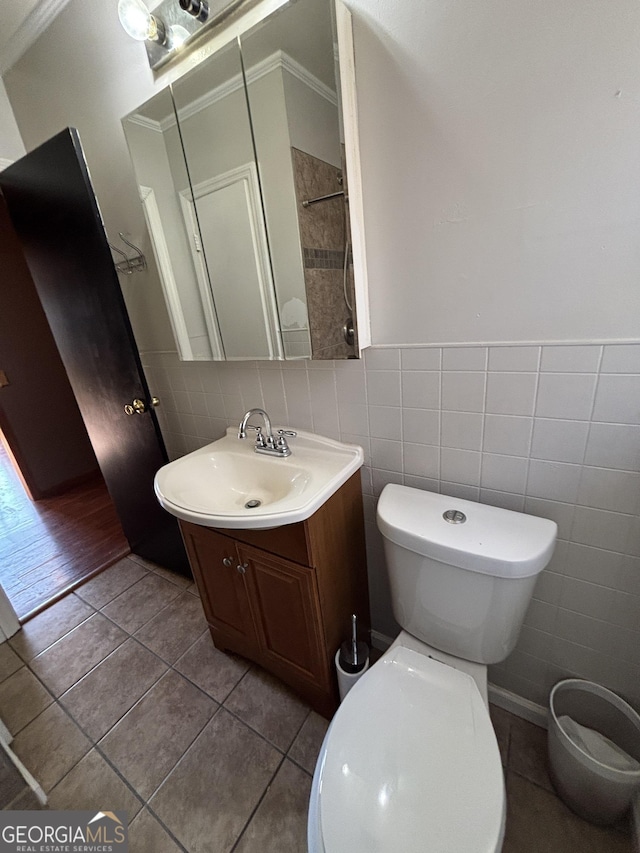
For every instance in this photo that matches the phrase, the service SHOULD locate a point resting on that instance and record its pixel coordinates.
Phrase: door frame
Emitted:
(246, 175)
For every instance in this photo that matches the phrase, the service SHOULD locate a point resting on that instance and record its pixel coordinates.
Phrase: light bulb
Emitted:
(139, 23)
(177, 36)
(136, 19)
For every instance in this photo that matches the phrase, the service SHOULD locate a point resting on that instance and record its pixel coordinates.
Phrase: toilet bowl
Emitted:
(410, 762)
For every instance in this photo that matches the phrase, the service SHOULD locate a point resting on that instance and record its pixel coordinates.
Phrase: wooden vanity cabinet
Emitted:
(284, 597)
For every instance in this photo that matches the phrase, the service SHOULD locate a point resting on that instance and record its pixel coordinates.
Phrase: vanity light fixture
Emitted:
(170, 24)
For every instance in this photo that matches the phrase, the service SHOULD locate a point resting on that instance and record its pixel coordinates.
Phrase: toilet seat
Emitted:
(410, 764)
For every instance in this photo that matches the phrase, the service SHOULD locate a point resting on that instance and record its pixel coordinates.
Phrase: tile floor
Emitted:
(117, 699)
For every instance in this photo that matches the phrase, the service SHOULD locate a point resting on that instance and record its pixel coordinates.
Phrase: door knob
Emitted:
(138, 407)
(243, 568)
(227, 561)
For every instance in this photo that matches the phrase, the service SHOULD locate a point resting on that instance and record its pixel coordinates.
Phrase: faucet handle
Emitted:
(281, 442)
(260, 439)
(260, 442)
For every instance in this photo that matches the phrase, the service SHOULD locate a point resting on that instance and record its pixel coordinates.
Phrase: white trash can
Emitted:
(594, 750)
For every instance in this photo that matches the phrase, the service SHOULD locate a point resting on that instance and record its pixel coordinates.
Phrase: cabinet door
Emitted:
(284, 601)
(214, 561)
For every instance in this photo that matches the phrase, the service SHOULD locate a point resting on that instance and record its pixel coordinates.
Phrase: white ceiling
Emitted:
(21, 22)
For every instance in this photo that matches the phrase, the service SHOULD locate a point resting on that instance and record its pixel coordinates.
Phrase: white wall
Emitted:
(500, 168)
(270, 122)
(313, 121)
(11, 145)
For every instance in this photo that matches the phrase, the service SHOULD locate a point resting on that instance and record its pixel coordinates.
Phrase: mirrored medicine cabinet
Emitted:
(241, 173)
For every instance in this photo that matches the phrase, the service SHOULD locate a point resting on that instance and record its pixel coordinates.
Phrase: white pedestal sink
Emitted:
(227, 484)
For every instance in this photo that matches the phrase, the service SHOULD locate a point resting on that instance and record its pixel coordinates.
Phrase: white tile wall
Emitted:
(553, 431)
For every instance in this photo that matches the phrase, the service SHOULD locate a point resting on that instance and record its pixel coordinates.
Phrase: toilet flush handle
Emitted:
(454, 516)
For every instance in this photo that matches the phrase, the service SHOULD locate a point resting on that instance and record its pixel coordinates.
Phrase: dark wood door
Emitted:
(56, 216)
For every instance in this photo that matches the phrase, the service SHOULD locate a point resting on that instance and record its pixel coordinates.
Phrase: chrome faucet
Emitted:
(266, 443)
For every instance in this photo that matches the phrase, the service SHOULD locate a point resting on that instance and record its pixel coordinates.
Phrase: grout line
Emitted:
(95, 744)
(254, 730)
(162, 824)
(584, 455)
(258, 804)
(133, 583)
(298, 765)
(440, 407)
(28, 662)
(144, 624)
(170, 667)
(179, 761)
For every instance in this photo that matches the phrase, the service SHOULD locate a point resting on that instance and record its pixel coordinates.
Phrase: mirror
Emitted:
(240, 168)
(290, 62)
(222, 205)
(161, 171)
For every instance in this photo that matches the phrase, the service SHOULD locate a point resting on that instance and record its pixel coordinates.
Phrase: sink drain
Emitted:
(252, 504)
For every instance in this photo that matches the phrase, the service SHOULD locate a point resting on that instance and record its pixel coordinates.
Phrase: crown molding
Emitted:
(148, 123)
(277, 60)
(280, 59)
(29, 30)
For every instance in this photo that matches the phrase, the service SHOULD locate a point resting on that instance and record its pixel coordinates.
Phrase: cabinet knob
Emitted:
(242, 568)
(227, 561)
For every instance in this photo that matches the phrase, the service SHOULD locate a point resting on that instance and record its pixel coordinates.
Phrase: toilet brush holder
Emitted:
(352, 661)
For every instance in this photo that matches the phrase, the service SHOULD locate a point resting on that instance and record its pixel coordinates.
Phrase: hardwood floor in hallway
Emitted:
(50, 546)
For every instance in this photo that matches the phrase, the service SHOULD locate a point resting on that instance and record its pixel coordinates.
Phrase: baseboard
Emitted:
(380, 641)
(518, 705)
(62, 488)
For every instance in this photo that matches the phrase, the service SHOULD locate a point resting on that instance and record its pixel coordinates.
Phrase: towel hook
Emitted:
(139, 253)
(130, 264)
(120, 267)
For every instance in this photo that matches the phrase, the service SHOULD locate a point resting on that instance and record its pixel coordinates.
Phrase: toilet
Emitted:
(410, 762)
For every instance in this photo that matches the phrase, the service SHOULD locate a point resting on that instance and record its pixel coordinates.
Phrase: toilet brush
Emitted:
(353, 654)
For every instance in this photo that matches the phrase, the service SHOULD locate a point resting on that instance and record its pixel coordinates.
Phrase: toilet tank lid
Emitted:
(490, 540)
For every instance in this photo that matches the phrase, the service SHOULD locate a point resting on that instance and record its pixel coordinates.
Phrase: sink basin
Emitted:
(227, 484)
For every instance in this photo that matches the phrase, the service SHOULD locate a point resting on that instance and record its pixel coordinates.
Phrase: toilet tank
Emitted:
(461, 573)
